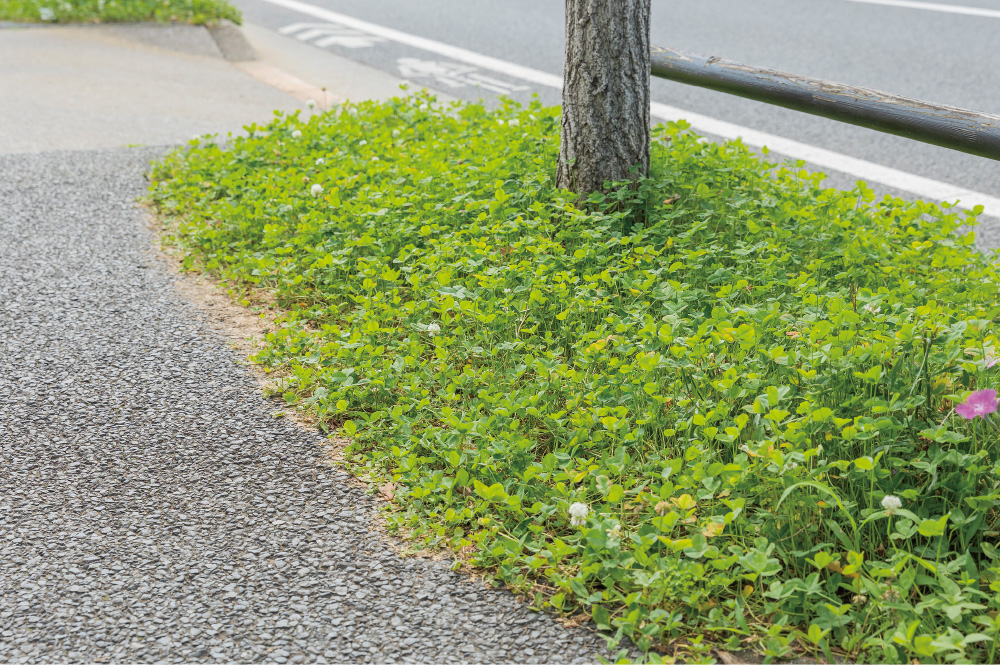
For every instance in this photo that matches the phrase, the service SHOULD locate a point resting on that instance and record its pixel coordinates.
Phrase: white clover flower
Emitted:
(316, 189)
(395, 133)
(296, 134)
(891, 503)
(433, 329)
(513, 122)
(311, 103)
(871, 309)
(320, 162)
(578, 513)
(362, 142)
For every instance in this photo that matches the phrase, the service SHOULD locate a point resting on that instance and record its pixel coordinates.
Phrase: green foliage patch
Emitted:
(746, 381)
(198, 12)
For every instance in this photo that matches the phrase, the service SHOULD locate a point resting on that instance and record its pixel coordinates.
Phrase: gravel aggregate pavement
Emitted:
(151, 508)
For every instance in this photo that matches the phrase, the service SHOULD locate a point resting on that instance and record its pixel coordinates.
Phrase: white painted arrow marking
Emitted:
(331, 34)
(453, 75)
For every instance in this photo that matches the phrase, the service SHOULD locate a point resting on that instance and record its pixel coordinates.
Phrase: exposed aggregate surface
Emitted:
(151, 508)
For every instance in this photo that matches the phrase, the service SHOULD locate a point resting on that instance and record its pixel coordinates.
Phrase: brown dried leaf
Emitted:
(728, 658)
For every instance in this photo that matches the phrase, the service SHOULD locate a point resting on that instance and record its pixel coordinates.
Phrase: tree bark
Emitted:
(605, 98)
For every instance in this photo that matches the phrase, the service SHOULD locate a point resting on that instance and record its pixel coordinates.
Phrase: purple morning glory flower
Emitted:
(979, 403)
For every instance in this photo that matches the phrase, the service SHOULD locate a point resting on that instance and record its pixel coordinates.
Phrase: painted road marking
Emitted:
(934, 7)
(925, 188)
(453, 75)
(330, 34)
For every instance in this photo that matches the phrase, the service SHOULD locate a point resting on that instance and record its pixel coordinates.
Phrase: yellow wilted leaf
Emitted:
(713, 529)
(599, 344)
(767, 453)
(834, 566)
(684, 502)
(943, 383)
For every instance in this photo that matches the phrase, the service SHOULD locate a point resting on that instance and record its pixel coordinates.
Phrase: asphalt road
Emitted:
(930, 55)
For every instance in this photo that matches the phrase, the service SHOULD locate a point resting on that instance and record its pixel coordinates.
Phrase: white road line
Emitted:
(448, 51)
(934, 7)
(925, 188)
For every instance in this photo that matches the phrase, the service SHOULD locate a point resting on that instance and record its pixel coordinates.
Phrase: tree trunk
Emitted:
(605, 98)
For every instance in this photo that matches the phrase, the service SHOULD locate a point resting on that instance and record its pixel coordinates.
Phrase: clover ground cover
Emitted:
(197, 12)
(717, 408)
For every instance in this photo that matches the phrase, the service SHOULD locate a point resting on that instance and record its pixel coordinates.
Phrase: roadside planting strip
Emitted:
(926, 188)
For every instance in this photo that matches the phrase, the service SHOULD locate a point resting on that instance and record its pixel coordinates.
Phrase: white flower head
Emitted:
(296, 134)
(513, 122)
(316, 189)
(320, 162)
(433, 329)
(871, 309)
(311, 103)
(395, 133)
(891, 503)
(578, 513)
(374, 159)
(362, 142)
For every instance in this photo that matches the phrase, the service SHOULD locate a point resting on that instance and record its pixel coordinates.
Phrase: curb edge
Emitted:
(232, 42)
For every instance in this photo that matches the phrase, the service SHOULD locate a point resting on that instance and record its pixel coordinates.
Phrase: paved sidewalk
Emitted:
(76, 88)
(89, 87)
(151, 508)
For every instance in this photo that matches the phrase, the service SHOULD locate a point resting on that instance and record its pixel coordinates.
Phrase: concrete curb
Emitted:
(225, 40)
(232, 43)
